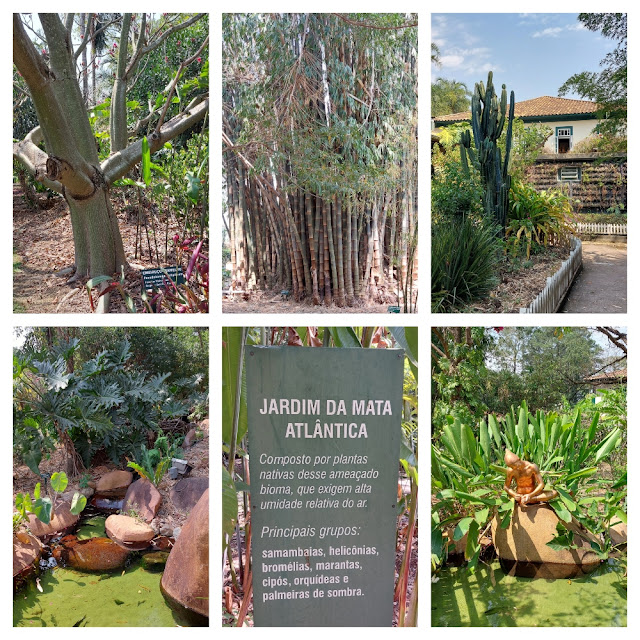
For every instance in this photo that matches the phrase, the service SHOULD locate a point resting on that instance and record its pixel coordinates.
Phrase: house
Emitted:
(605, 381)
(570, 120)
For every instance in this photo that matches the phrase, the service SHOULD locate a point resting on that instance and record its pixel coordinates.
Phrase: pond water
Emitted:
(491, 598)
(127, 597)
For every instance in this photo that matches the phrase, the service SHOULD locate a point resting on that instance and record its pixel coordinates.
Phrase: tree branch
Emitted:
(119, 163)
(178, 27)
(34, 159)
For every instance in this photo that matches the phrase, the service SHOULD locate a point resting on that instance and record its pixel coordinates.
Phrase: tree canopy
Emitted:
(449, 96)
(607, 87)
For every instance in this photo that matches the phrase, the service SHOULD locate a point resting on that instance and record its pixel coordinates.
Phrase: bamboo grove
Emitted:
(319, 138)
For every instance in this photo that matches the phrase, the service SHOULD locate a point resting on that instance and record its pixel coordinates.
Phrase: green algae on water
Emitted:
(72, 598)
(92, 528)
(491, 598)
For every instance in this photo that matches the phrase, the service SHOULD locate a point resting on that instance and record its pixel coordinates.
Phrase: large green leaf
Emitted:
(462, 528)
(59, 481)
(231, 349)
(344, 337)
(407, 338)
(146, 161)
(78, 503)
(609, 444)
(229, 503)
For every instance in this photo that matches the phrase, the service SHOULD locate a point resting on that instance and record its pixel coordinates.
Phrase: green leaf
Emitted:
(231, 348)
(561, 511)
(462, 528)
(146, 161)
(344, 337)
(193, 186)
(229, 503)
(59, 481)
(472, 541)
(609, 444)
(78, 503)
(42, 509)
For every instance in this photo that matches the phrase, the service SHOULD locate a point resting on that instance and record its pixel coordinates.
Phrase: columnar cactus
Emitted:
(487, 121)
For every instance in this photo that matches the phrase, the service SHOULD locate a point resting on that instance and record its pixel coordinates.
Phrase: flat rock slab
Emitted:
(114, 484)
(143, 498)
(128, 532)
(94, 554)
(186, 493)
(601, 286)
(26, 551)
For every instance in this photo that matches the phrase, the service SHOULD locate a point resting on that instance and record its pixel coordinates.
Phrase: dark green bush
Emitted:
(453, 193)
(464, 261)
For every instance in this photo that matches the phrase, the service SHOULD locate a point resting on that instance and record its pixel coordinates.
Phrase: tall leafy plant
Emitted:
(468, 475)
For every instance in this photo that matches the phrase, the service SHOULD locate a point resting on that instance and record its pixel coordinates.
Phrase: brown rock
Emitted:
(185, 580)
(189, 439)
(187, 492)
(26, 550)
(62, 521)
(618, 533)
(143, 498)
(525, 540)
(129, 532)
(114, 484)
(94, 554)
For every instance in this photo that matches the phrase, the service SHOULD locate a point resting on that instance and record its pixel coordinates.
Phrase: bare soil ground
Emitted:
(601, 286)
(24, 480)
(43, 242)
(517, 289)
(273, 302)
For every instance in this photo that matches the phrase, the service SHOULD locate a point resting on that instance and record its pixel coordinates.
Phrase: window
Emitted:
(564, 139)
(569, 174)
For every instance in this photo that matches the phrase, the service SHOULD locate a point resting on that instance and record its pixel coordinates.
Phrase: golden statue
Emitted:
(529, 481)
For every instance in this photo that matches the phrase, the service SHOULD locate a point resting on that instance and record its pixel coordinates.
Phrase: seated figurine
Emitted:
(529, 482)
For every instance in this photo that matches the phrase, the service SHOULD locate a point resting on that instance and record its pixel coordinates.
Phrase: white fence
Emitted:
(550, 298)
(602, 228)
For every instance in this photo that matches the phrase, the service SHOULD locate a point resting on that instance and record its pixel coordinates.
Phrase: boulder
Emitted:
(62, 521)
(525, 540)
(189, 439)
(143, 498)
(618, 534)
(94, 554)
(114, 484)
(185, 581)
(129, 532)
(186, 493)
(26, 551)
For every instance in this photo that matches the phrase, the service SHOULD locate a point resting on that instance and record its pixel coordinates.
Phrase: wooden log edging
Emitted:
(554, 292)
(602, 228)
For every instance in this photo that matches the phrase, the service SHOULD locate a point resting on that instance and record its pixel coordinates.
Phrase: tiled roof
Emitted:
(611, 376)
(544, 106)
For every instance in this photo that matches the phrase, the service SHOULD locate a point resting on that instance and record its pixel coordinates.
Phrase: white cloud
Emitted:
(551, 32)
(451, 61)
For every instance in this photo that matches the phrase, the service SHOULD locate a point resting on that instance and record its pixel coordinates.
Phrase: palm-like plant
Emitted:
(468, 475)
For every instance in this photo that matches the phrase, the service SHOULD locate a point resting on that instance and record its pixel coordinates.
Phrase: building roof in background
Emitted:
(609, 377)
(545, 107)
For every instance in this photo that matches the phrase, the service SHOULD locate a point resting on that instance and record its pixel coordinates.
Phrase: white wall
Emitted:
(581, 129)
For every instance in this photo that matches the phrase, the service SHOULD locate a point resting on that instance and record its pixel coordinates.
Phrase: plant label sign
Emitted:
(156, 278)
(324, 441)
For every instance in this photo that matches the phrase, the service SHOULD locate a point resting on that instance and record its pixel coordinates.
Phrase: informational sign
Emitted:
(157, 278)
(324, 439)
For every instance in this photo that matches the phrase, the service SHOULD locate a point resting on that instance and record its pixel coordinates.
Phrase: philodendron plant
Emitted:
(468, 475)
(42, 506)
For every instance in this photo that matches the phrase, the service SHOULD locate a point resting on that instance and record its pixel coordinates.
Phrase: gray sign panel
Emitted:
(324, 438)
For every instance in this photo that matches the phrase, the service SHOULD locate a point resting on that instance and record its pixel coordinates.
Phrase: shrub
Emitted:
(454, 193)
(468, 476)
(539, 217)
(464, 261)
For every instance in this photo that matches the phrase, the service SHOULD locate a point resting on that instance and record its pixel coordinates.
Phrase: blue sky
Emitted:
(532, 53)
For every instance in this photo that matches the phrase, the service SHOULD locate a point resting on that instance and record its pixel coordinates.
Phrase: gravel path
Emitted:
(601, 286)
